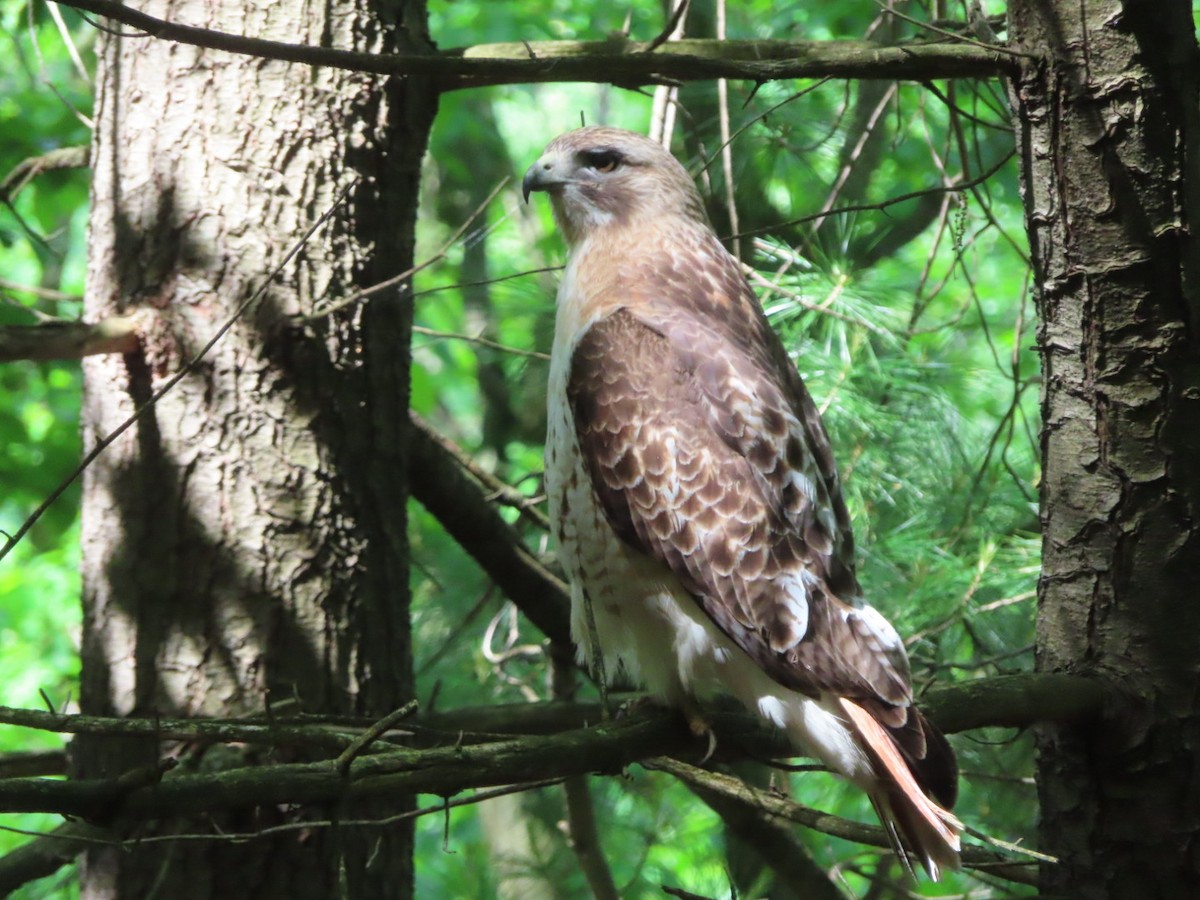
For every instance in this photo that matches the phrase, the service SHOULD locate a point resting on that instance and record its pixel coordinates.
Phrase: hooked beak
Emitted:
(544, 175)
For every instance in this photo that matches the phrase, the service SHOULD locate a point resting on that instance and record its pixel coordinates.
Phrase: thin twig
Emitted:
(408, 273)
(764, 802)
(68, 840)
(49, 82)
(485, 281)
(868, 131)
(891, 201)
(482, 342)
(42, 293)
(669, 31)
(726, 150)
(717, 154)
(952, 35)
(372, 734)
(72, 50)
(461, 627)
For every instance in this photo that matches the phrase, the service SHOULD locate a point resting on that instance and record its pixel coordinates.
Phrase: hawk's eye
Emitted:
(602, 161)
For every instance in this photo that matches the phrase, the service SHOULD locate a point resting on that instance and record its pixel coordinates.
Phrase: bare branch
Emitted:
(28, 169)
(33, 762)
(42, 293)
(498, 490)
(1014, 701)
(670, 28)
(632, 62)
(360, 744)
(68, 340)
(459, 765)
(318, 736)
(891, 201)
(408, 273)
(482, 342)
(1004, 701)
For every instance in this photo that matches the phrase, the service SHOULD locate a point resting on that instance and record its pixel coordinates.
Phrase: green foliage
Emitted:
(43, 102)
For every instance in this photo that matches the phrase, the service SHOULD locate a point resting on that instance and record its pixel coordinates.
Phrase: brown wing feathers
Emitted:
(702, 494)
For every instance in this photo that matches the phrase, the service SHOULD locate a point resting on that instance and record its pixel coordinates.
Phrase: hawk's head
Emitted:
(597, 177)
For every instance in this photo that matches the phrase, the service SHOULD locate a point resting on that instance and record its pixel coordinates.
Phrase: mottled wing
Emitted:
(705, 452)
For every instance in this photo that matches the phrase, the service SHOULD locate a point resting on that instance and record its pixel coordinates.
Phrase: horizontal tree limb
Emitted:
(605, 747)
(1014, 701)
(68, 340)
(33, 762)
(1003, 701)
(615, 61)
(545, 751)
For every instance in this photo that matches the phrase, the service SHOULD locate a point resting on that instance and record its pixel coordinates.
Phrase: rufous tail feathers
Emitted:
(909, 816)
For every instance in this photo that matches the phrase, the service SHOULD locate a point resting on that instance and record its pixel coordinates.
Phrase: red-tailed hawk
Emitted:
(694, 495)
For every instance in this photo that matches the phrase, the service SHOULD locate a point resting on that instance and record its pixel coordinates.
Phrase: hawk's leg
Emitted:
(593, 637)
(688, 707)
(699, 726)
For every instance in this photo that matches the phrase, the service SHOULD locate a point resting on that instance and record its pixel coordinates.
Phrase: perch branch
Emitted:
(379, 777)
(1015, 701)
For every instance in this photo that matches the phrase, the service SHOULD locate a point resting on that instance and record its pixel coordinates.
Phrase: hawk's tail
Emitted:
(912, 762)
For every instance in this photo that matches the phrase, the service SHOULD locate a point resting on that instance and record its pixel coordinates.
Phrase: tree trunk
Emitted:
(244, 542)
(1109, 137)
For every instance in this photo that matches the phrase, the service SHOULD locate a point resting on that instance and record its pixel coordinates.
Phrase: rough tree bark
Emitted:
(1109, 132)
(244, 543)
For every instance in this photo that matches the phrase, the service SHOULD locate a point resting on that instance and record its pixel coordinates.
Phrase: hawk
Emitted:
(694, 495)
